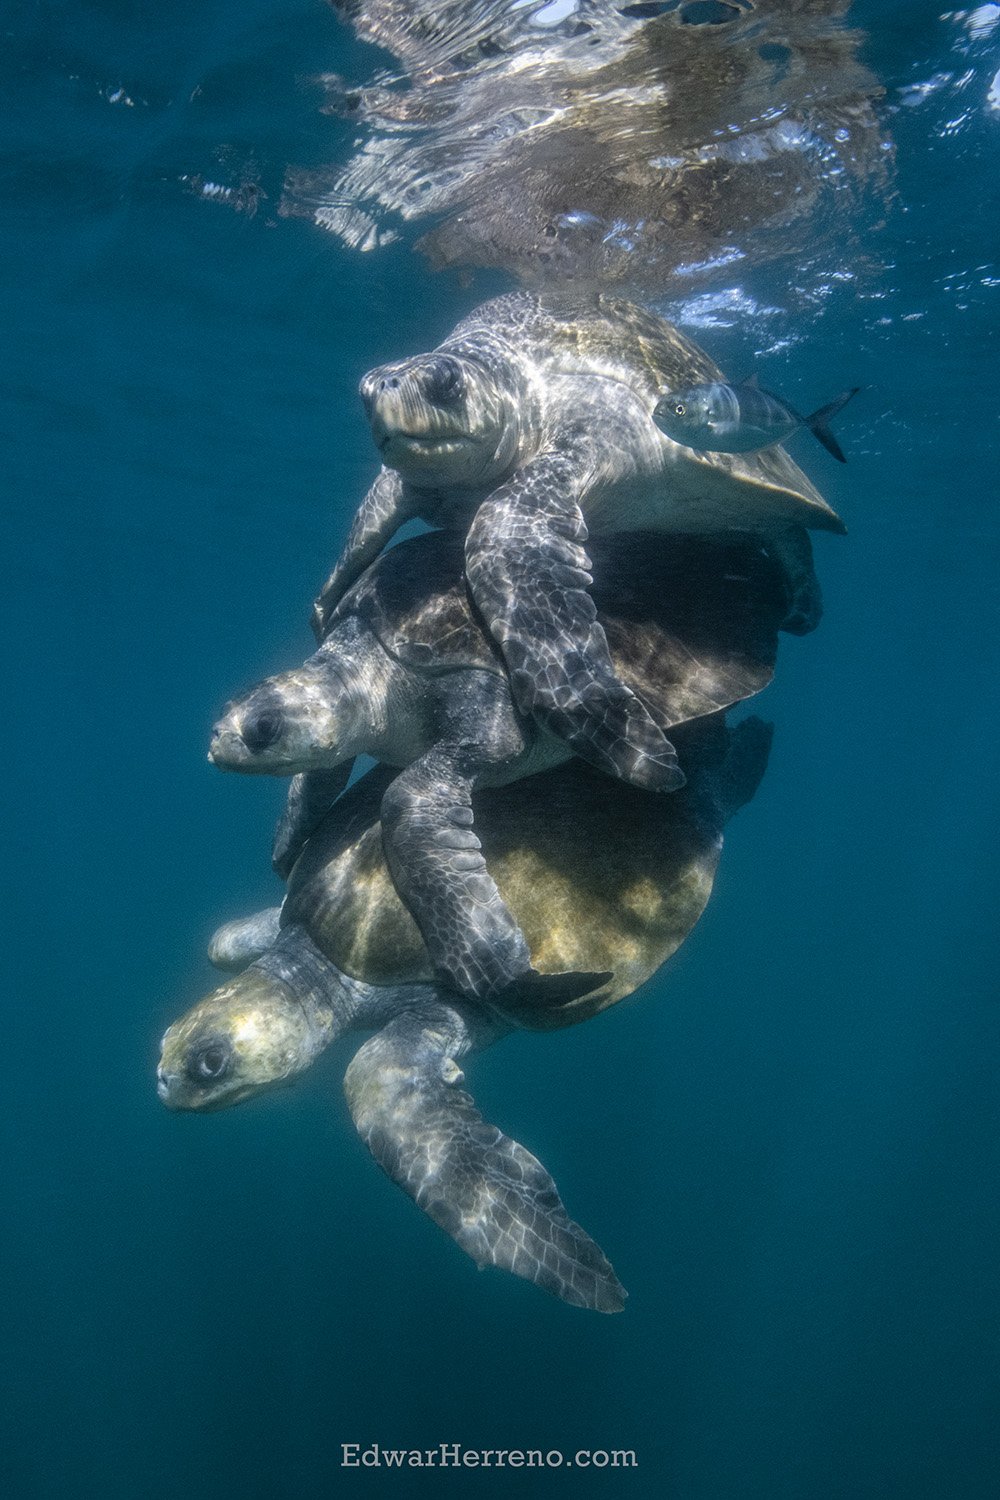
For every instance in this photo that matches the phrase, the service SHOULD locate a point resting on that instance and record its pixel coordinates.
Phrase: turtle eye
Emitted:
(209, 1062)
(443, 383)
(679, 408)
(262, 728)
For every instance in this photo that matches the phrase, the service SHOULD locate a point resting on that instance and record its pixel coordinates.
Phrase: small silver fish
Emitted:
(719, 418)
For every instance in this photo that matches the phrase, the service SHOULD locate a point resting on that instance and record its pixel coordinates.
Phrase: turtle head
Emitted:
(442, 419)
(317, 715)
(251, 1035)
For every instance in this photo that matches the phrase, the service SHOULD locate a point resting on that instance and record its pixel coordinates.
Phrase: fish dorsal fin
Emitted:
(752, 382)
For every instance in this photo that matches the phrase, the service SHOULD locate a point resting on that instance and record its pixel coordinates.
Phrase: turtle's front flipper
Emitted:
(490, 1194)
(792, 551)
(380, 514)
(311, 794)
(529, 575)
(236, 945)
(437, 866)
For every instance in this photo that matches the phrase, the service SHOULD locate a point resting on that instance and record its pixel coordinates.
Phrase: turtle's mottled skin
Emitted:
(599, 877)
(407, 674)
(530, 428)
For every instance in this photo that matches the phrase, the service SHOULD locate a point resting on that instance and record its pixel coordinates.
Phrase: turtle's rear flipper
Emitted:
(490, 1194)
(542, 992)
(792, 551)
(735, 781)
(529, 576)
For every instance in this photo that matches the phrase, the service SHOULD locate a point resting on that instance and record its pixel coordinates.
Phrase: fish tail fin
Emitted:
(821, 417)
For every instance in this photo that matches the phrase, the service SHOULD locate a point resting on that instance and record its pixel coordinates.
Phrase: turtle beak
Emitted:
(217, 747)
(228, 749)
(165, 1086)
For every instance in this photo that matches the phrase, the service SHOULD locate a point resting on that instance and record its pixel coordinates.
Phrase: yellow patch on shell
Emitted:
(600, 877)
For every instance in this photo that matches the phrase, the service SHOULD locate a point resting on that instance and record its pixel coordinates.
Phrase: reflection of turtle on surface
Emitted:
(617, 142)
(530, 427)
(408, 675)
(599, 876)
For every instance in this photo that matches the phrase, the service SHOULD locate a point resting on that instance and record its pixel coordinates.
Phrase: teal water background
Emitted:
(787, 1144)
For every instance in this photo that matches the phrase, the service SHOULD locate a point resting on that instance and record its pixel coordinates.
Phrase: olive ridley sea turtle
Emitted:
(408, 675)
(600, 876)
(531, 426)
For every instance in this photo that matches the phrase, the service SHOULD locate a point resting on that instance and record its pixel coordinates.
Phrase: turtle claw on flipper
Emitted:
(492, 1196)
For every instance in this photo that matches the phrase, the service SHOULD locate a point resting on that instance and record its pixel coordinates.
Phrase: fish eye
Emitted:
(209, 1062)
(262, 729)
(679, 408)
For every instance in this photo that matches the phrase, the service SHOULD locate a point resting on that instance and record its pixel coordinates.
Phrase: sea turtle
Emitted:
(600, 876)
(531, 426)
(408, 675)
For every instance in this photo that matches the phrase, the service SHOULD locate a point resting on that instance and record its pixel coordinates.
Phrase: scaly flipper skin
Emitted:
(437, 866)
(490, 1194)
(529, 574)
(379, 517)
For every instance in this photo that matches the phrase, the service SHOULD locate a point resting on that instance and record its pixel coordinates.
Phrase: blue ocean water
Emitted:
(786, 1144)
